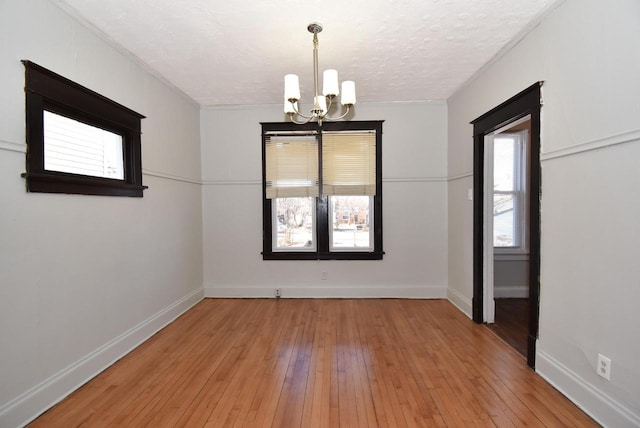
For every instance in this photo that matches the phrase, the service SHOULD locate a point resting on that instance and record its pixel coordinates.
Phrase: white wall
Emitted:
(587, 54)
(511, 277)
(83, 279)
(414, 210)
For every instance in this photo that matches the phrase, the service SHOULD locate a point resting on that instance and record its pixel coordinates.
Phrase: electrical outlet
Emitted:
(604, 367)
(324, 275)
(277, 293)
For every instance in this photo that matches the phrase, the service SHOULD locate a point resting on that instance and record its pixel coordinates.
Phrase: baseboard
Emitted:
(511, 292)
(312, 292)
(28, 406)
(460, 302)
(605, 410)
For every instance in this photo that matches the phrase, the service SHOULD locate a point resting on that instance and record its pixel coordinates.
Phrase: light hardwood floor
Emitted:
(307, 363)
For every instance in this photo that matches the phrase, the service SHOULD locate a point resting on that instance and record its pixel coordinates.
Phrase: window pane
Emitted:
(504, 163)
(294, 221)
(504, 227)
(78, 148)
(351, 221)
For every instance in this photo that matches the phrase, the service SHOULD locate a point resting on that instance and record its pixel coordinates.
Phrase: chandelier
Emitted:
(321, 103)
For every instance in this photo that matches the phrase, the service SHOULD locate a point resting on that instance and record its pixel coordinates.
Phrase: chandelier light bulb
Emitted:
(330, 83)
(348, 93)
(322, 103)
(291, 87)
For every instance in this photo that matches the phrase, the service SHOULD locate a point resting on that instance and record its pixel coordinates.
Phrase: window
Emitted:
(77, 140)
(509, 194)
(294, 220)
(78, 148)
(351, 228)
(322, 191)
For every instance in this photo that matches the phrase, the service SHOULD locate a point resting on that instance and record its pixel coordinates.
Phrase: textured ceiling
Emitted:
(236, 52)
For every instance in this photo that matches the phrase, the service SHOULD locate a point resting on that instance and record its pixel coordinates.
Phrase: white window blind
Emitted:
(78, 148)
(291, 163)
(349, 163)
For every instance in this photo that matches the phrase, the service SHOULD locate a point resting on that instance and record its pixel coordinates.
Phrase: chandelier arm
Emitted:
(329, 104)
(333, 119)
(292, 119)
(297, 112)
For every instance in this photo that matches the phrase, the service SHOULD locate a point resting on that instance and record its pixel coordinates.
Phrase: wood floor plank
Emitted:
(318, 363)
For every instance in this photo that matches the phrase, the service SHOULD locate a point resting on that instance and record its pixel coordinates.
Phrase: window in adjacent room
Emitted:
(322, 191)
(79, 141)
(509, 194)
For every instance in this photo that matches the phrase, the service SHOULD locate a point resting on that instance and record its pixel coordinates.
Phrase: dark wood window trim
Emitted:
(46, 90)
(525, 103)
(322, 202)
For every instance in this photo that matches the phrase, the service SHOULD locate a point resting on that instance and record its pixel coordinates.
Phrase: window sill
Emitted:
(511, 257)
(55, 182)
(343, 255)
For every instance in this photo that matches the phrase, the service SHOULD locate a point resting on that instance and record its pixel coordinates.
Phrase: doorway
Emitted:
(506, 248)
(506, 237)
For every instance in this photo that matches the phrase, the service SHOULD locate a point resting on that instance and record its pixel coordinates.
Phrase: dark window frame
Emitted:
(322, 202)
(46, 90)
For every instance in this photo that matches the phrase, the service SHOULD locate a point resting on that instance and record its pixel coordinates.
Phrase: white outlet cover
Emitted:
(604, 367)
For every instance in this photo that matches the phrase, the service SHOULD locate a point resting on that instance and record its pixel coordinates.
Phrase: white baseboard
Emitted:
(460, 302)
(29, 405)
(605, 410)
(511, 292)
(412, 292)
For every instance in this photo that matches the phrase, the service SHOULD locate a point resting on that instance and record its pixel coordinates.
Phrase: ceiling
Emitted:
(236, 52)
